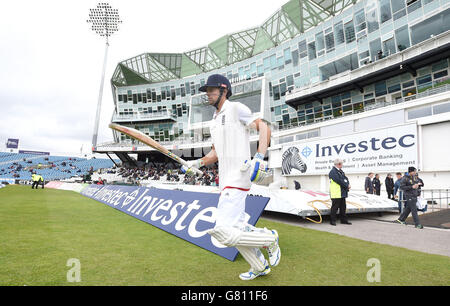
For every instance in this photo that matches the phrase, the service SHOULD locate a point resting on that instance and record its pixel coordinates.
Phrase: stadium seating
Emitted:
(16, 165)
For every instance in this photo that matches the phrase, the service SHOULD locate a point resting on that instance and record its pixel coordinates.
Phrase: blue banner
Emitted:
(34, 152)
(187, 215)
(12, 143)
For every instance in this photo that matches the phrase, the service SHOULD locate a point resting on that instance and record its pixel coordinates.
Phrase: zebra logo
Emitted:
(292, 160)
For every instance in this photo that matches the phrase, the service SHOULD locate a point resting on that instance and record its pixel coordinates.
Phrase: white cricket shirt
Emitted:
(230, 133)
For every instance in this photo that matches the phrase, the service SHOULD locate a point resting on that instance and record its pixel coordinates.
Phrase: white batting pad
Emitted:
(251, 237)
(253, 256)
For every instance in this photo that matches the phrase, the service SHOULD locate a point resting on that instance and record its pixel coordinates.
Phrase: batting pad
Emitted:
(253, 256)
(251, 237)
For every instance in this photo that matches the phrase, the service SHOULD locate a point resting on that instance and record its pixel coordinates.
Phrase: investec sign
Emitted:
(384, 150)
(187, 215)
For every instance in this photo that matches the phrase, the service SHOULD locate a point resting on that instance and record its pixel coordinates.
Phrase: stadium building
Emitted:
(367, 81)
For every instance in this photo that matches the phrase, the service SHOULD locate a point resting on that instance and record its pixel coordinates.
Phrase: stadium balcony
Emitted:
(143, 116)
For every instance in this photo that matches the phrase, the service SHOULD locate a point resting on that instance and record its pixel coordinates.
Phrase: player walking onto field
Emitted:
(231, 148)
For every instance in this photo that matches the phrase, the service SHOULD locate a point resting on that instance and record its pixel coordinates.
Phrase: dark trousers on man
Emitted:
(35, 184)
(410, 207)
(342, 206)
(390, 194)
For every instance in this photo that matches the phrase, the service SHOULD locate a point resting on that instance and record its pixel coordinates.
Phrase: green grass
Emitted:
(41, 229)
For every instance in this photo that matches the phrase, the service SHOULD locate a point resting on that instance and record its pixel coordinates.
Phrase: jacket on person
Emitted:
(389, 183)
(406, 185)
(397, 188)
(376, 185)
(368, 185)
(338, 184)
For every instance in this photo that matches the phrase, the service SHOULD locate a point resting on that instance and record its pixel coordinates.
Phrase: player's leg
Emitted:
(258, 264)
(230, 215)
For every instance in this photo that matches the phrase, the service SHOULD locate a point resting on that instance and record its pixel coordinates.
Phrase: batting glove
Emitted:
(258, 166)
(192, 163)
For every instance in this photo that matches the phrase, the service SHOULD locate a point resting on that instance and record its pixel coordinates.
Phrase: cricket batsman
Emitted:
(230, 133)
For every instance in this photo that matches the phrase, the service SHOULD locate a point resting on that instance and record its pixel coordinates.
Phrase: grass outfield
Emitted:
(41, 229)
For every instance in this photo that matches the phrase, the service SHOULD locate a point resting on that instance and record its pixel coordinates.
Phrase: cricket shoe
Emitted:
(274, 251)
(252, 274)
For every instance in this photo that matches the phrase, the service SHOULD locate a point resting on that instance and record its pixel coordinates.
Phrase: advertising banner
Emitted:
(385, 150)
(34, 152)
(12, 143)
(187, 215)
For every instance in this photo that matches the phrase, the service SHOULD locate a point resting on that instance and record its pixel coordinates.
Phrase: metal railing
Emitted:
(437, 199)
(139, 116)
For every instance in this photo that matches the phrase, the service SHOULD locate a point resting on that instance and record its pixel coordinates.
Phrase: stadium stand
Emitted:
(20, 166)
(160, 172)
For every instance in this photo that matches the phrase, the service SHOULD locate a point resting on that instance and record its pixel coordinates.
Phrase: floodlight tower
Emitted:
(105, 22)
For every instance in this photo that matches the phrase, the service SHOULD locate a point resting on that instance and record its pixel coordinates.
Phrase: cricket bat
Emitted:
(150, 142)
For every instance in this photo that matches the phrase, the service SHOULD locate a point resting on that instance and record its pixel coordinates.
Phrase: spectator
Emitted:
(368, 186)
(389, 183)
(410, 185)
(339, 187)
(100, 181)
(398, 197)
(376, 185)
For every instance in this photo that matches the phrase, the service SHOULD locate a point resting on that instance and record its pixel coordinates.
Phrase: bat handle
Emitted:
(197, 171)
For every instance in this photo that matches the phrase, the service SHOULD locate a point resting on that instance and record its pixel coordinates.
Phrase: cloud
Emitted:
(51, 61)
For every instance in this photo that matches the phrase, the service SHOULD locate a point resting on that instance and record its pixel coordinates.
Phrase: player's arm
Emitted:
(264, 135)
(209, 158)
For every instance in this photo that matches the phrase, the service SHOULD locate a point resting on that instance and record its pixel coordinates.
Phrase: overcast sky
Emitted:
(51, 61)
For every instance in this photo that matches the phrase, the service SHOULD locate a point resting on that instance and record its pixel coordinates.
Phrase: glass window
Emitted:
(399, 14)
(389, 47)
(329, 41)
(409, 92)
(349, 32)
(441, 108)
(276, 93)
(385, 10)
(290, 80)
(424, 79)
(430, 27)
(320, 44)
(287, 56)
(380, 89)
(420, 112)
(413, 5)
(364, 54)
(440, 74)
(372, 21)
(402, 38)
(439, 65)
(295, 57)
(339, 33)
(408, 84)
(360, 21)
(394, 88)
(283, 89)
(312, 51)
(375, 49)
(397, 5)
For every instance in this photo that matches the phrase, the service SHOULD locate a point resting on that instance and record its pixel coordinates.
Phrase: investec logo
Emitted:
(373, 144)
(159, 210)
